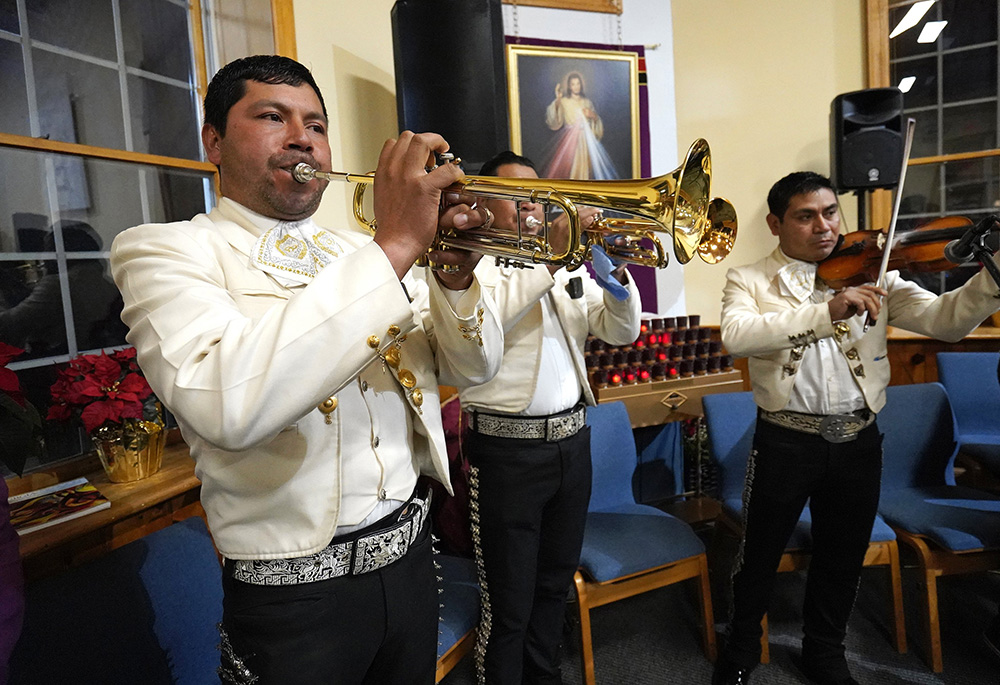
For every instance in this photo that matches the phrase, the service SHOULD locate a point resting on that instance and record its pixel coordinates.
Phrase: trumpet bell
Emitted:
(717, 242)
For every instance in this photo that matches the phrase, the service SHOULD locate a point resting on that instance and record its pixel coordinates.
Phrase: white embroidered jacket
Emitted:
(772, 328)
(517, 293)
(244, 362)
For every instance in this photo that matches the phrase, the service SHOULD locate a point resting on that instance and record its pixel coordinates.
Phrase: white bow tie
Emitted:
(295, 251)
(797, 280)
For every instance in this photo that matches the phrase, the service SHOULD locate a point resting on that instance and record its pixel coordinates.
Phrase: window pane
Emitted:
(14, 103)
(923, 92)
(97, 304)
(114, 201)
(905, 44)
(8, 16)
(78, 102)
(157, 38)
(36, 321)
(240, 28)
(177, 195)
(24, 219)
(970, 74)
(925, 134)
(62, 439)
(970, 127)
(86, 26)
(164, 119)
(969, 22)
(972, 184)
(922, 190)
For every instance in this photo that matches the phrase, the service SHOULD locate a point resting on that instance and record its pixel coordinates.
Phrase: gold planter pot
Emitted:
(130, 451)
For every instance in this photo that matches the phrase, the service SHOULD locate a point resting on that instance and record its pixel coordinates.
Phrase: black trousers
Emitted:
(532, 499)
(375, 628)
(841, 482)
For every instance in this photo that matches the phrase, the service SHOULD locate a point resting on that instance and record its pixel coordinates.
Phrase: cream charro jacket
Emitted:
(772, 329)
(517, 293)
(244, 362)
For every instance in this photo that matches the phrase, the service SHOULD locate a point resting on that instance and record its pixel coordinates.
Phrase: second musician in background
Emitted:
(529, 446)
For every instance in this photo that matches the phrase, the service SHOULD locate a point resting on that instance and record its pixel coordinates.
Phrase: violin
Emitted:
(857, 259)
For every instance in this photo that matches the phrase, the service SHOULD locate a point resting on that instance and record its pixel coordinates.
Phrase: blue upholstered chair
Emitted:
(459, 613)
(146, 612)
(730, 420)
(630, 548)
(952, 529)
(971, 381)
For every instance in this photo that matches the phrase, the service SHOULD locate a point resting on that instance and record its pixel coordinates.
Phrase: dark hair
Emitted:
(795, 183)
(569, 77)
(505, 157)
(229, 84)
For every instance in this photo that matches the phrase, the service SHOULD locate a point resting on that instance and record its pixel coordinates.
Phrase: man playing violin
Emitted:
(302, 364)
(819, 376)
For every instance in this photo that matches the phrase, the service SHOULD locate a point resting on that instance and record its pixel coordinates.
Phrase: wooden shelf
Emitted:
(137, 509)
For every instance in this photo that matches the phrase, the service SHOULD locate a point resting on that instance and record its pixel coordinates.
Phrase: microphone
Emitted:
(960, 251)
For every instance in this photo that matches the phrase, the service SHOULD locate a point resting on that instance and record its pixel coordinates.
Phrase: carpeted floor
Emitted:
(652, 638)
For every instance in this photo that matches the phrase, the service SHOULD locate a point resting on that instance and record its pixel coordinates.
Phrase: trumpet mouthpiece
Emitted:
(303, 173)
(532, 223)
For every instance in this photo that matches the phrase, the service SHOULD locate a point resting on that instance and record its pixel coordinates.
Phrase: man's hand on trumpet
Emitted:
(407, 196)
(452, 267)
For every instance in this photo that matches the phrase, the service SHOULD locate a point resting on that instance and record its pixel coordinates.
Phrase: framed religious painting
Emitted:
(575, 111)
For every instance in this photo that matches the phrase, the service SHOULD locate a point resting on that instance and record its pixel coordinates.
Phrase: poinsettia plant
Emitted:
(100, 389)
(20, 424)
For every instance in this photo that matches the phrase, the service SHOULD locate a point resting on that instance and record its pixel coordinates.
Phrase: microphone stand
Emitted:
(982, 253)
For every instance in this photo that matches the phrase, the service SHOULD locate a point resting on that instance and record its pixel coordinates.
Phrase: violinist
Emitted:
(818, 374)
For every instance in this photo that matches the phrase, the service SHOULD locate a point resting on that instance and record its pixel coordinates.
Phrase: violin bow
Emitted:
(911, 125)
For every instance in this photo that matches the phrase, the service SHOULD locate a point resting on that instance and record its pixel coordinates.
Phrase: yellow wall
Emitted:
(756, 80)
(348, 47)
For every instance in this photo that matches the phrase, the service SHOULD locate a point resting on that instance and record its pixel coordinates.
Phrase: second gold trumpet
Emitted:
(676, 203)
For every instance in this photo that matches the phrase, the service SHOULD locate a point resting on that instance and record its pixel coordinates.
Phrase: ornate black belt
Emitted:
(369, 552)
(549, 428)
(832, 427)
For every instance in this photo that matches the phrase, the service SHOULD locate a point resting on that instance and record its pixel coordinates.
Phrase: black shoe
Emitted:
(726, 673)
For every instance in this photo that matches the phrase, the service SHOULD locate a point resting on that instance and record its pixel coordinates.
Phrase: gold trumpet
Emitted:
(676, 203)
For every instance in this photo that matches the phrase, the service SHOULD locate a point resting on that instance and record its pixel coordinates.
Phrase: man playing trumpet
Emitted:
(303, 365)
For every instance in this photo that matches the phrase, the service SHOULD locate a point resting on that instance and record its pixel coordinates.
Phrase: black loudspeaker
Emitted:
(866, 139)
(450, 74)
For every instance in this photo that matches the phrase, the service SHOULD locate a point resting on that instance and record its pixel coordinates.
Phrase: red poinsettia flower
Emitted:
(9, 382)
(100, 388)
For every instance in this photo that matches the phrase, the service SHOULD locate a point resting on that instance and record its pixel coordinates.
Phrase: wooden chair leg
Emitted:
(932, 623)
(707, 616)
(586, 646)
(896, 579)
(765, 650)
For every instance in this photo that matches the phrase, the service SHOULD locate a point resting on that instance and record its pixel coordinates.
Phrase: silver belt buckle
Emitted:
(564, 426)
(840, 427)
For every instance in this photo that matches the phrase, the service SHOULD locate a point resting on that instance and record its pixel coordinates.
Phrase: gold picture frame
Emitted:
(607, 6)
(542, 110)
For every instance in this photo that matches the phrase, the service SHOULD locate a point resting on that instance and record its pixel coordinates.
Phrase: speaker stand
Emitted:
(862, 209)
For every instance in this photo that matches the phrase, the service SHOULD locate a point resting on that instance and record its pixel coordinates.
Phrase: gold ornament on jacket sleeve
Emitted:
(474, 332)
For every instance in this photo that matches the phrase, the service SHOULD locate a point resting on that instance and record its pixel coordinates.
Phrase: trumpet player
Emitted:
(302, 364)
(529, 447)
